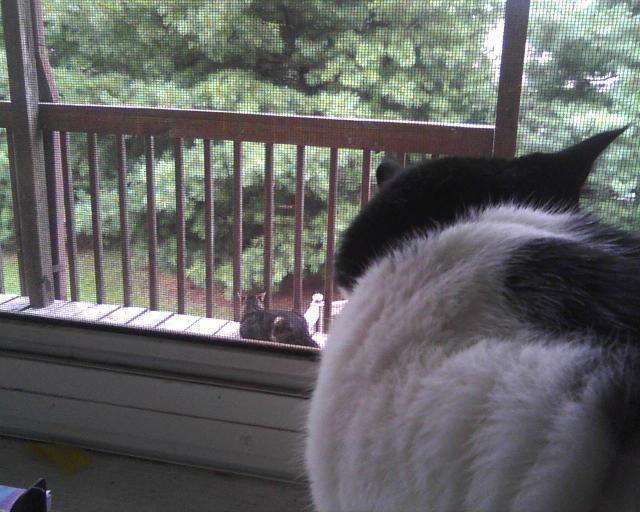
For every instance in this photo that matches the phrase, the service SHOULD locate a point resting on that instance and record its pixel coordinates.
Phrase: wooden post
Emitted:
(29, 151)
(47, 92)
(514, 42)
(298, 237)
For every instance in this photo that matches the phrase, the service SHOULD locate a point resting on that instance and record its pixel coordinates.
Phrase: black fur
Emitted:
(612, 377)
(276, 325)
(565, 286)
(436, 192)
(618, 384)
(291, 328)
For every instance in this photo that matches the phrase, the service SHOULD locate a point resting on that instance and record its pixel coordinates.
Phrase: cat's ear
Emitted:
(387, 170)
(580, 157)
(261, 296)
(557, 178)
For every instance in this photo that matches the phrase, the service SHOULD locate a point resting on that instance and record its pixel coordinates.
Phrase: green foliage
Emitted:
(582, 76)
(356, 58)
(6, 210)
(435, 60)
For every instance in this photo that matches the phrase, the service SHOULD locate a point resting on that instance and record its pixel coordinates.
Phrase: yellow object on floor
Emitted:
(67, 459)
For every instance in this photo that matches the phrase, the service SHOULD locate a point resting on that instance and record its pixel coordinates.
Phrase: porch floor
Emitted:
(134, 317)
(113, 483)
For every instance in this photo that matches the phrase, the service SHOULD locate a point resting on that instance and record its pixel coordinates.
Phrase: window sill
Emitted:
(188, 399)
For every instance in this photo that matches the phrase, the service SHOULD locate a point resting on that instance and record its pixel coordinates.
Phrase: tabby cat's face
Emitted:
(437, 192)
(252, 302)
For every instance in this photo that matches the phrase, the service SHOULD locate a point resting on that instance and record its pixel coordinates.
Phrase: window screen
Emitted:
(9, 276)
(381, 60)
(402, 60)
(583, 76)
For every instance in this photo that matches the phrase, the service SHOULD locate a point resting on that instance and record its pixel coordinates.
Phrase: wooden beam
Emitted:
(514, 42)
(29, 151)
(373, 134)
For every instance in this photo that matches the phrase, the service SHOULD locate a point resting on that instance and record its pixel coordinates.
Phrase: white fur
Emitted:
(432, 396)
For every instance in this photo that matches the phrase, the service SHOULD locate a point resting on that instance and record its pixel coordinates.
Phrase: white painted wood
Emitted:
(151, 434)
(46, 311)
(15, 305)
(96, 312)
(179, 323)
(336, 308)
(122, 316)
(71, 309)
(152, 392)
(313, 312)
(111, 483)
(150, 319)
(320, 338)
(226, 405)
(291, 369)
(230, 330)
(6, 297)
(207, 326)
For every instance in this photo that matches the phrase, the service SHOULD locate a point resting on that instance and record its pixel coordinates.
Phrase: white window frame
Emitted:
(193, 400)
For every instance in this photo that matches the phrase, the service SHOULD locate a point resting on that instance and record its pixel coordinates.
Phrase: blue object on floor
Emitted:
(34, 499)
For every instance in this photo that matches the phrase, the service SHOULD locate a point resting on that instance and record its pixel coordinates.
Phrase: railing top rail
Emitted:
(374, 134)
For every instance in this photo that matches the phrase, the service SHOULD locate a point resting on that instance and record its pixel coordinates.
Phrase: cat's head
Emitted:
(437, 192)
(252, 302)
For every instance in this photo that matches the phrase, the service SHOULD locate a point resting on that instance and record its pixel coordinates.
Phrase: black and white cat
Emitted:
(489, 356)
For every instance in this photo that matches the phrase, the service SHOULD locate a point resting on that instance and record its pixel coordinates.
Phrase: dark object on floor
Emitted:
(34, 499)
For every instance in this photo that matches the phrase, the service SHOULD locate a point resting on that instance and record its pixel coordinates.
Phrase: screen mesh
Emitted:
(408, 60)
(9, 274)
(583, 76)
(399, 60)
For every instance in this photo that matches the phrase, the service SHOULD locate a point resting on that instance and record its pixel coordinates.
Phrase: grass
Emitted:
(113, 282)
(195, 296)
(113, 278)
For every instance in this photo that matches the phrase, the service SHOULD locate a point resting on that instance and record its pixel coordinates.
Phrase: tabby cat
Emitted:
(276, 325)
(488, 358)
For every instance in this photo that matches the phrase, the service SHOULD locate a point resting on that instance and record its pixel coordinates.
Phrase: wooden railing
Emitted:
(336, 134)
(58, 120)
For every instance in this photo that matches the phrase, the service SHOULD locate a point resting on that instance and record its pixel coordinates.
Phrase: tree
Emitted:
(355, 58)
(582, 77)
(364, 58)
